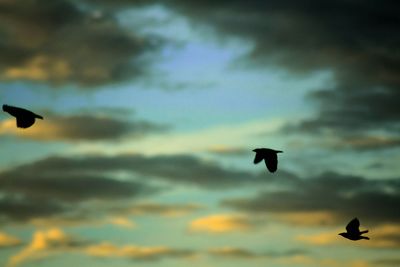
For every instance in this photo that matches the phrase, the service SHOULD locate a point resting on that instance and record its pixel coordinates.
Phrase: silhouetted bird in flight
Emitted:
(269, 156)
(353, 231)
(25, 118)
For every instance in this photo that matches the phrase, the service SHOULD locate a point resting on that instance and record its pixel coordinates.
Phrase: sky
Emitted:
(151, 112)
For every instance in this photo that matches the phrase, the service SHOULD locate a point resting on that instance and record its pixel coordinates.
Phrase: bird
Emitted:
(269, 156)
(25, 118)
(353, 231)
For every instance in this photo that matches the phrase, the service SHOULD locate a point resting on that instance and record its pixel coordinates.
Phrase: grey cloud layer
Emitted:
(184, 169)
(62, 185)
(345, 196)
(58, 182)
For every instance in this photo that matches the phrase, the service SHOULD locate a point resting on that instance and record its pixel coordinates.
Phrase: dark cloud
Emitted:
(17, 208)
(61, 186)
(364, 142)
(150, 208)
(88, 127)
(240, 253)
(387, 262)
(70, 187)
(356, 40)
(181, 169)
(40, 191)
(342, 195)
(67, 42)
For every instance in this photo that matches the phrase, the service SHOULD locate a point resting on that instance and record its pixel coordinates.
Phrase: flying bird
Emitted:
(25, 118)
(353, 231)
(270, 157)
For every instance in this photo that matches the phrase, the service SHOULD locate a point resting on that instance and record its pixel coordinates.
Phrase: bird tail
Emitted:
(364, 232)
(5, 107)
(38, 116)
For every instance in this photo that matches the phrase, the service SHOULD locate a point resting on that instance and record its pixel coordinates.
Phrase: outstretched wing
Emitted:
(259, 157)
(353, 226)
(25, 122)
(272, 162)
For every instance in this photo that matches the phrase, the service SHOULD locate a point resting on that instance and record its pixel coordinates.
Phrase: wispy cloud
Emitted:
(7, 240)
(89, 128)
(221, 223)
(44, 244)
(108, 250)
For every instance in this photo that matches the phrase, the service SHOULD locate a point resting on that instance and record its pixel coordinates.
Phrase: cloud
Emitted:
(342, 196)
(68, 187)
(387, 262)
(308, 218)
(19, 209)
(82, 128)
(64, 186)
(230, 252)
(122, 222)
(228, 151)
(382, 236)
(325, 238)
(44, 244)
(61, 42)
(108, 250)
(183, 169)
(245, 254)
(351, 39)
(221, 223)
(41, 190)
(168, 210)
(9, 241)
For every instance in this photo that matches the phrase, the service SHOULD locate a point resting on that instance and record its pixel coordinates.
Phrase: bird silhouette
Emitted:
(25, 118)
(353, 231)
(269, 156)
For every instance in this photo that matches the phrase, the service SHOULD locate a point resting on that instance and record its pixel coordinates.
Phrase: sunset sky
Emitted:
(151, 112)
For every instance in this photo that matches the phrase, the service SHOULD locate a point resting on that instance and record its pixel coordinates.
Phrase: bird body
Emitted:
(353, 231)
(269, 156)
(24, 117)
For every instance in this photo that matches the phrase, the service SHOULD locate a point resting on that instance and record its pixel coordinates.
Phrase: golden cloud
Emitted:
(221, 223)
(325, 238)
(42, 244)
(308, 218)
(8, 240)
(40, 68)
(122, 222)
(106, 249)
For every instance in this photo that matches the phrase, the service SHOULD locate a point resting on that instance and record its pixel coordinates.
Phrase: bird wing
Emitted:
(272, 162)
(259, 157)
(25, 122)
(353, 226)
